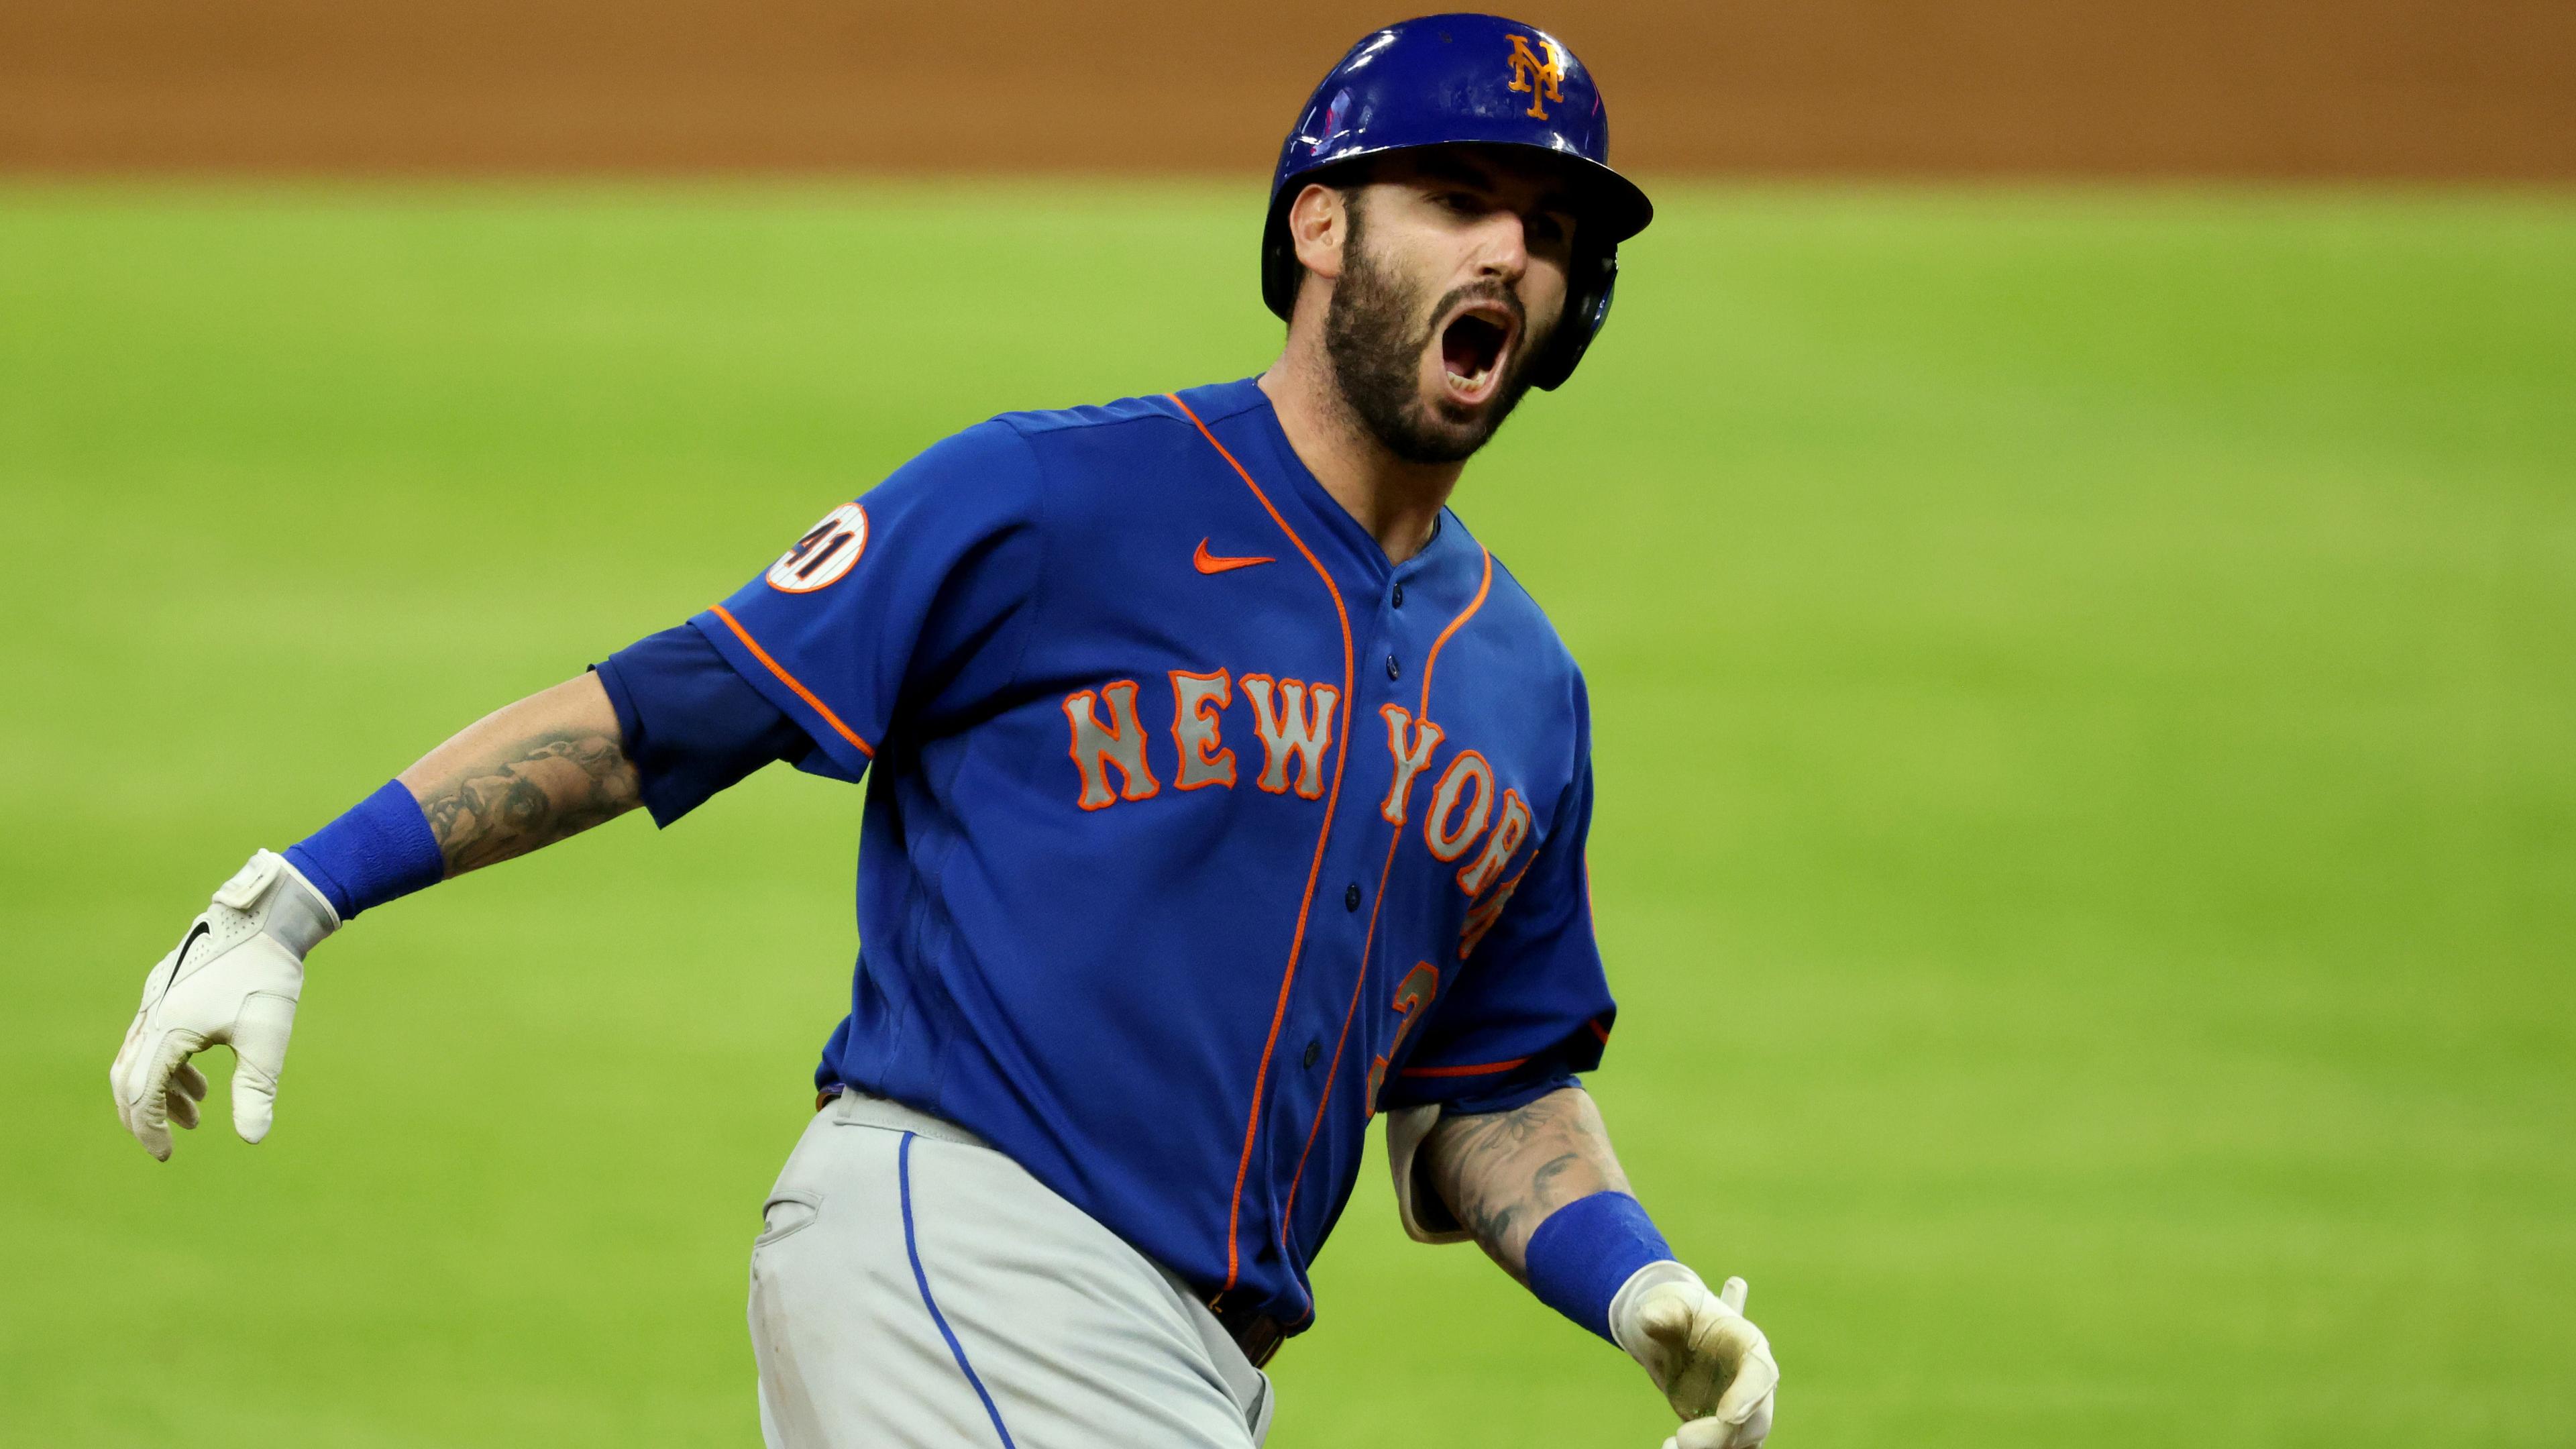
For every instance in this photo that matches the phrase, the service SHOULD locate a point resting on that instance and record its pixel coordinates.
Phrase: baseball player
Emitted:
(1223, 793)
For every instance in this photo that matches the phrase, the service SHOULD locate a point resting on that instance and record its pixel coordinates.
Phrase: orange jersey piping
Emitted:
(1297, 943)
(1333, 1072)
(791, 681)
(1477, 1070)
(1432, 660)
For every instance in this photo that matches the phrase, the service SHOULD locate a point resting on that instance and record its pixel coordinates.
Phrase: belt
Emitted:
(1255, 1332)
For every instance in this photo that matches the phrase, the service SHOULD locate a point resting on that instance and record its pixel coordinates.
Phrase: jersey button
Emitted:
(1393, 669)
(1351, 897)
(1314, 1049)
(1399, 596)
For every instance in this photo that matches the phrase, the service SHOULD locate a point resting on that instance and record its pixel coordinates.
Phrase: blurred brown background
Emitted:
(2363, 88)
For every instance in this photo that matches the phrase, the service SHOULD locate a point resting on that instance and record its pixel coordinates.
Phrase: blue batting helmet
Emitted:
(1446, 79)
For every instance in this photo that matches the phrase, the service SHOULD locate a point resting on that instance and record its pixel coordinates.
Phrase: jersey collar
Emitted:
(1351, 548)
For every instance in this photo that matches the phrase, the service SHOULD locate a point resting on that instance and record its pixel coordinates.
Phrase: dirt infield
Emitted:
(2365, 88)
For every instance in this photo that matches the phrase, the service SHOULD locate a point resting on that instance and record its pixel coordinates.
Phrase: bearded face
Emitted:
(1430, 376)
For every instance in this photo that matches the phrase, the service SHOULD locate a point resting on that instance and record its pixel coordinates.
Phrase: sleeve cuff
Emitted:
(1512, 1093)
(833, 736)
(630, 725)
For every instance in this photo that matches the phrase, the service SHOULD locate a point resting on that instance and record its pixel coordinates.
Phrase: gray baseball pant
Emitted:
(915, 1287)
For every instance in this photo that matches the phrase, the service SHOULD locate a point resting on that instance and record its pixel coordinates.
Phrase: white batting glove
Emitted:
(234, 979)
(1713, 1365)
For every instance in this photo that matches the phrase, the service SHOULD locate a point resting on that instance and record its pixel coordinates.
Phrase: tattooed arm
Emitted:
(522, 777)
(525, 776)
(1504, 1172)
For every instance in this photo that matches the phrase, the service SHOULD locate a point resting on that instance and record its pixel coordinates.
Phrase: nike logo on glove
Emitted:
(179, 961)
(1208, 563)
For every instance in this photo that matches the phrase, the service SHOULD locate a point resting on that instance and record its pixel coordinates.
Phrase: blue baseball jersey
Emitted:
(1196, 831)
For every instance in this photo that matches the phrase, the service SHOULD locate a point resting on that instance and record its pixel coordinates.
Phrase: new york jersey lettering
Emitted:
(1470, 778)
(1509, 832)
(1096, 746)
(1289, 731)
(1409, 758)
(1198, 706)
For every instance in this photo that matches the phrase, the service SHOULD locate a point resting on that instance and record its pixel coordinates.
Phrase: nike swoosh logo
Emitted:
(179, 965)
(1208, 563)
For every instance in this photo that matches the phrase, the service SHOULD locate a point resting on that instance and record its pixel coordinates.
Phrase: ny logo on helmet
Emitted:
(1536, 76)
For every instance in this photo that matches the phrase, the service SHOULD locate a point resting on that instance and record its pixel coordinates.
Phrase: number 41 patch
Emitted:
(826, 552)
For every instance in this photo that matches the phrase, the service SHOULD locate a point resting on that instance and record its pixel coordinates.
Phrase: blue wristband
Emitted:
(382, 848)
(1585, 1251)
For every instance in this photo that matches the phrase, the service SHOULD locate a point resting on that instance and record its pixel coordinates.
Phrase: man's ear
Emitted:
(1318, 225)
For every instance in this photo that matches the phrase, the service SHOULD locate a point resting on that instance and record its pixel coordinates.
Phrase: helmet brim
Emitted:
(1614, 208)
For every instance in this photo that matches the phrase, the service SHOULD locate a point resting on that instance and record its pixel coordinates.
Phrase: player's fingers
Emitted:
(1703, 1434)
(187, 1088)
(121, 1072)
(125, 1074)
(1756, 1376)
(147, 1110)
(180, 1108)
(1666, 1317)
(1757, 1425)
(259, 1040)
(1714, 1433)
(1733, 1294)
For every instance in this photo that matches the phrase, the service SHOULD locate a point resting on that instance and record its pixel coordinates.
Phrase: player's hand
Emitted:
(1713, 1365)
(233, 979)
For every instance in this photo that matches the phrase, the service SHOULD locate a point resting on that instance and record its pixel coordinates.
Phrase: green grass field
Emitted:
(2085, 687)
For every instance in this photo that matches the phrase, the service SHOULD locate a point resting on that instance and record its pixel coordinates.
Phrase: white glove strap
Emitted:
(1623, 1304)
(280, 902)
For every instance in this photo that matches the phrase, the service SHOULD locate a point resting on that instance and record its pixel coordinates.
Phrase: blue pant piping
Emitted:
(912, 1250)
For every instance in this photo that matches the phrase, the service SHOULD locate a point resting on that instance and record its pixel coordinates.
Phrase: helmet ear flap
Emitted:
(1589, 283)
(1280, 269)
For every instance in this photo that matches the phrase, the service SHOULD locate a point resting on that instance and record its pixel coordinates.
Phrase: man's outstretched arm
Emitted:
(1543, 1194)
(663, 723)
(525, 776)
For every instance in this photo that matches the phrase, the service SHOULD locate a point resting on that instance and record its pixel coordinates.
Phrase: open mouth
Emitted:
(1472, 348)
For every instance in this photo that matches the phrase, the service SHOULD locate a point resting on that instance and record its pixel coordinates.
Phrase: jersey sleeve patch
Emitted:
(824, 555)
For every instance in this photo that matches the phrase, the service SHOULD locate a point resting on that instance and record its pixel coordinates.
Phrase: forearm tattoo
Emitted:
(529, 793)
(1502, 1173)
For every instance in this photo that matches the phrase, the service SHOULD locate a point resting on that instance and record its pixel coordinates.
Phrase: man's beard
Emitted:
(1376, 349)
